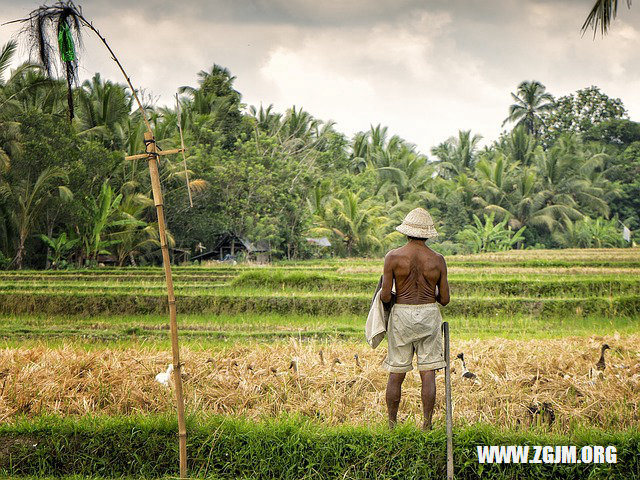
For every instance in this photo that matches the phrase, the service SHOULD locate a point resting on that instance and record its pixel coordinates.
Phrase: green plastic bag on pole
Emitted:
(65, 43)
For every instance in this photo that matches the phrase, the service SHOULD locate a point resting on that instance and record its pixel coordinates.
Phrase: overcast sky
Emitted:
(423, 68)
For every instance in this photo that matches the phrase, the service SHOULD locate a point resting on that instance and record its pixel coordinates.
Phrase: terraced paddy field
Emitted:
(80, 350)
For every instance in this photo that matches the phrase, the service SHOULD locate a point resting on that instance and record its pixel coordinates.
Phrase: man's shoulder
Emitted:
(392, 256)
(440, 259)
(435, 258)
(434, 254)
(439, 256)
(392, 253)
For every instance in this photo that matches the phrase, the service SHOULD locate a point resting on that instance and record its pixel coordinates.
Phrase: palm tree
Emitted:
(129, 135)
(494, 177)
(531, 101)
(216, 104)
(7, 226)
(218, 80)
(6, 55)
(372, 148)
(589, 233)
(267, 120)
(27, 87)
(487, 237)
(527, 206)
(457, 155)
(569, 170)
(29, 202)
(21, 84)
(135, 236)
(8, 90)
(602, 13)
(564, 183)
(407, 172)
(101, 214)
(519, 146)
(102, 106)
(355, 220)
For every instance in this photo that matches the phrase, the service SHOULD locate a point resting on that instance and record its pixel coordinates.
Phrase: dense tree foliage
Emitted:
(566, 175)
(580, 112)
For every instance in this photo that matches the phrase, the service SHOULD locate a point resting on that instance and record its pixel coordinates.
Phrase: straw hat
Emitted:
(418, 223)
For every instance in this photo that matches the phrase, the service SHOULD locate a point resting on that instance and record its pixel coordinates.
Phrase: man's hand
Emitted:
(387, 305)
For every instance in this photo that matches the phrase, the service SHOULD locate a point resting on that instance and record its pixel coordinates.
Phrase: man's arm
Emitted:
(387, 280)
(443, 285)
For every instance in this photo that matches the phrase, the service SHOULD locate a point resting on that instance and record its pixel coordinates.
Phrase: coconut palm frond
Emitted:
(601, 15)
(6, 55)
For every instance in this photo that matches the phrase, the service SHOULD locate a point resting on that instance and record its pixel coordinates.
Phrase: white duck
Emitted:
(164, 377)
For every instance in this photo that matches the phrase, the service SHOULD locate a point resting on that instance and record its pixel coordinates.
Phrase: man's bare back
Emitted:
(419, 272)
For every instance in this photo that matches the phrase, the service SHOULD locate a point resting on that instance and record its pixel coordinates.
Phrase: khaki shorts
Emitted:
(414, 329)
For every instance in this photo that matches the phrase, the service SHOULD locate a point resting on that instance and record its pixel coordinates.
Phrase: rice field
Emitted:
(80, 344)
(331, 387)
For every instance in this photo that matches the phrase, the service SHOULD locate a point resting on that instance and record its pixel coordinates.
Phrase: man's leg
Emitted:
(394, 393)
(428, 394)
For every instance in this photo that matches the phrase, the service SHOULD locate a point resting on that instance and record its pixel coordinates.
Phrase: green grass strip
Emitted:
(81, 303)
(307, 282)
(287, 448)
(211, 331)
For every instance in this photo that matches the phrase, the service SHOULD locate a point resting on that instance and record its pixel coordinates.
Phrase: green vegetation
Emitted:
(284, 448)
(218, 331)
(531, 294)
(331, 289)
(565, 176)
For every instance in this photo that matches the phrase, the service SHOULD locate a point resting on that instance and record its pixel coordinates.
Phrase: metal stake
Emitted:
(447, 388)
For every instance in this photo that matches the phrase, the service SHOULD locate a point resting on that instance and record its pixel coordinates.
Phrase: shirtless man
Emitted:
(414, 326)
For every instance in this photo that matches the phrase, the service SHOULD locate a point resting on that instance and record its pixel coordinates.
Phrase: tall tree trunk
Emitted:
(47, 264)
(20, 252)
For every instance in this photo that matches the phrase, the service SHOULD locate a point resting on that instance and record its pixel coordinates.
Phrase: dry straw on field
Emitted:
(567, 254)
(257, 380)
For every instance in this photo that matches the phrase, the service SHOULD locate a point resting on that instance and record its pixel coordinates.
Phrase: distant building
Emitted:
(228, 246)
(106, 260)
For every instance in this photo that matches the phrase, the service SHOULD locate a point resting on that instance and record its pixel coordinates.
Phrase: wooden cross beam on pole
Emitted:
(152, 154)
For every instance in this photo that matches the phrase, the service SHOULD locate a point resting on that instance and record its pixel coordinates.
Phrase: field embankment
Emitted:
(575, 283)
(81, 350)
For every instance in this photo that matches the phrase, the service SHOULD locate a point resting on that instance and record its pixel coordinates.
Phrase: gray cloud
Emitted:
(425, 69)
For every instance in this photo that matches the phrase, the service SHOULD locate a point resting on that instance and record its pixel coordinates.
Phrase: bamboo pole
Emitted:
(151, 155)
(447, 388)
(177, 366)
